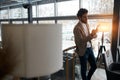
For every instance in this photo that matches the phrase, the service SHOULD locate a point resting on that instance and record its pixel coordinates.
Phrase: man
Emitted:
(83, 44)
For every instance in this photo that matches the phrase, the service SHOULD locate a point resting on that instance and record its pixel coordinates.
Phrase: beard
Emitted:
(84, 21)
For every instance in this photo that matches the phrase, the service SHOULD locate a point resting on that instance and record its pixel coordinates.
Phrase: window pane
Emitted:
(4, 22)
(67, 33)
(24, 13)
(46, 10)
(4, 14)
(34, 22)
(44, 22)
(17, 22)
(15, 13)
(68, 7)
(97, 41)
(26, 22)
(98, 6)
(34, 11)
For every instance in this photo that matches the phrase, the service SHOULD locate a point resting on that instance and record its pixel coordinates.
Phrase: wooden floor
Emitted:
(99, 75)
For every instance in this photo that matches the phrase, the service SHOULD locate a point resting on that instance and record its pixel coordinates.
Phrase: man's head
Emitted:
(83, 15)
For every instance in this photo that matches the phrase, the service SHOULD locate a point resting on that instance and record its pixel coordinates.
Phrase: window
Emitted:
(68, 36)
(4, 14)
(24, 13)
(67, 32)
(98, 6)
(97, 41)
(67, 8)
(4, 22)
(34, 22)
(25, 22)
(46, 10)
(34, 11)
(47, 22)
(15, 13)
(17, 22)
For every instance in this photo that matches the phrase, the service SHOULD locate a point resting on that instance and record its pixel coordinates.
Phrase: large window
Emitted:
(60, 12)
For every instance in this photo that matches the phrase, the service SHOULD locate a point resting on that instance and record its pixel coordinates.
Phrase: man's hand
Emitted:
(94, 31)
(97, 28)
(94, 35)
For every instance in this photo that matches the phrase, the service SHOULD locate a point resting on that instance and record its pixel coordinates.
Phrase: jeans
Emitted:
(88, 57)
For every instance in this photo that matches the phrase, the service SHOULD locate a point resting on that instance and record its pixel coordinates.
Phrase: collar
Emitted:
(82, 23)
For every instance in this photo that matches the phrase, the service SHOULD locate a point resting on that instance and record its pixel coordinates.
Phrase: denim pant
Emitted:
(88, 57)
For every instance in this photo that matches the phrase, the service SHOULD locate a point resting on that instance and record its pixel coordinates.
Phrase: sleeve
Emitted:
(80, 37)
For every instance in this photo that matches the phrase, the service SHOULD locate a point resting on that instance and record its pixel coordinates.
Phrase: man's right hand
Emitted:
(94, 31)
(97, 28)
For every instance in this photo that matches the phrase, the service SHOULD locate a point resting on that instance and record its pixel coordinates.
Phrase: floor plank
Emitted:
(99, 74)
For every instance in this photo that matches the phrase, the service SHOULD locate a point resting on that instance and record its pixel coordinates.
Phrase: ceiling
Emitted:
(10, 2)
(16, 3)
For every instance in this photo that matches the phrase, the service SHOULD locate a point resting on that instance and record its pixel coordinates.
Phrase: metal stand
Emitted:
(100, 53)
(99, 56)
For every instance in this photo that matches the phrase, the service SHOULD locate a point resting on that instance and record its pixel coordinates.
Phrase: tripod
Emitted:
(100, 51)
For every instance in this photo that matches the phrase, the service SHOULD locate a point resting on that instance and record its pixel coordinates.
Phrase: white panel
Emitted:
(13, 39)
(39, 47)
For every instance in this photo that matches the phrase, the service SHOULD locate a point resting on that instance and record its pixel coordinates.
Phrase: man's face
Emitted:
(84, 18)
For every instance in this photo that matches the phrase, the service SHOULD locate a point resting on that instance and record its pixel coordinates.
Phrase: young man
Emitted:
(83, 44)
